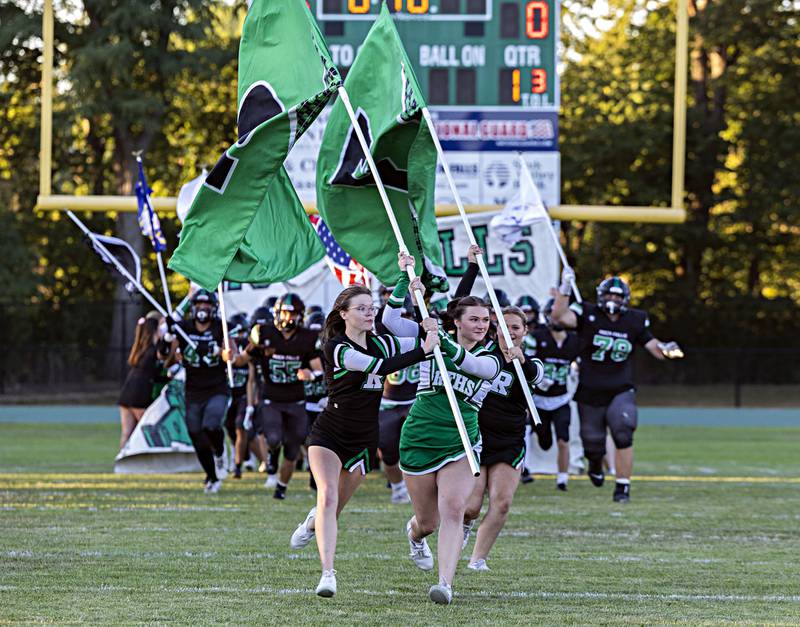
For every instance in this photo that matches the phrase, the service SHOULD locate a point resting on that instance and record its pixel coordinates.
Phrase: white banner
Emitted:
(529, 267)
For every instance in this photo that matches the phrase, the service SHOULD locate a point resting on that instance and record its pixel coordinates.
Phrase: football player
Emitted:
(557, 348)
(289, 355)
(609, 331)
(206, 391)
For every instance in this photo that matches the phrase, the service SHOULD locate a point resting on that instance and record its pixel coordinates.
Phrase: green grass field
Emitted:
(711, 536)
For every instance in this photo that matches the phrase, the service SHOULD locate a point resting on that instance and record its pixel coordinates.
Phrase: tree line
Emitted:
(161, 77)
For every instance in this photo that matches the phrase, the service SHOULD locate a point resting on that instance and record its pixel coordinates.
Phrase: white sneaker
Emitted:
(327, 584)
(303, 535)
(467, 531)
(478, 565)
(441, 593)
(420, 553)
(212, 487)
(250, 463)
(271, 482)
(221, 467)
(400, 495)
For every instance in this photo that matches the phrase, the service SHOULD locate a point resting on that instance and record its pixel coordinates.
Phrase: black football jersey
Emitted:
(503, 413)
(556, 358)
(240, 376)
(401, 386)
(354, 396)
(315, 390)
(206, 374)
(606, 348)
(280, 383)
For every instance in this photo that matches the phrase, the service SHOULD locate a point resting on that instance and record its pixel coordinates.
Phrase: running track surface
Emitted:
(682, 416)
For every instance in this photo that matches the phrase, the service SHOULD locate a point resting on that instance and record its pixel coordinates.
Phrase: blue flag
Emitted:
(149, 223)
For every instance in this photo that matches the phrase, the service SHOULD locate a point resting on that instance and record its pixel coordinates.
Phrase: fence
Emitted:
(77, 352)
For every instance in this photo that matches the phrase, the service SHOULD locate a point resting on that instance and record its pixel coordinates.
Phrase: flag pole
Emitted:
(437, 352)
(163, 275)
(124, 272)
(527, 173)
(225, 339)
(150, 211)
(501, 322)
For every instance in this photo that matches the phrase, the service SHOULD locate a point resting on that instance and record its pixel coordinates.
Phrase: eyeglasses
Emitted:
(364, 310)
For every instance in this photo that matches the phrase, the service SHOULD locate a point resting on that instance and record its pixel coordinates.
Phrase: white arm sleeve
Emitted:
(349, 358)
(485, 366)
(398, 325)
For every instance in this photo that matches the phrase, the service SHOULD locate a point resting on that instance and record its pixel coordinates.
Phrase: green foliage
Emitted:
(162, 77)
(731, 270)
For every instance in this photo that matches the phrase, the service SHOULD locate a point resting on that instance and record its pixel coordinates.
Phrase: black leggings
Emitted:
(284, 423)
(204, 421)
(560, 419)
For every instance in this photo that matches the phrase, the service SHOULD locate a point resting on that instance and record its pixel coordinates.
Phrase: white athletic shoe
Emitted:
(327, 584)
(271, 482)
(420, 553)
(221, 467)
(478, 565)
(303, 535)
(441, 593)
(400, 495)
(250, 463)
(212, 487)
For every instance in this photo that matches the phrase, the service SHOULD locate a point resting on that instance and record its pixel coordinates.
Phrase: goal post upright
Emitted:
(676, 213)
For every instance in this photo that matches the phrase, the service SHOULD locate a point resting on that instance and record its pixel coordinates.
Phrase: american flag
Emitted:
(346, 269)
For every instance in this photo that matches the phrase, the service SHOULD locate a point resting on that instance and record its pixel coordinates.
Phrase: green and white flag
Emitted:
(388, 102)
(247, 223)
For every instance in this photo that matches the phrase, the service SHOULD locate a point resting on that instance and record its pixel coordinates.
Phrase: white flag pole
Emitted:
(163, 275)
(527, 174)
(225, 339)
(482, 265)
(124, 272)
(451, 396)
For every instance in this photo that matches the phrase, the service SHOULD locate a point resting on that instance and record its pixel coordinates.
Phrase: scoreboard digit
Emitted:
(468, 54)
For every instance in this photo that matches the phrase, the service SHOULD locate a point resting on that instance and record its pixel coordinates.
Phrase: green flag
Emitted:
(247, 223)
(387, 100)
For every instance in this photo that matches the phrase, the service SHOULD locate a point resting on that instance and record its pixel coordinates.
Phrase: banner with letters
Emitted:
(531, 267)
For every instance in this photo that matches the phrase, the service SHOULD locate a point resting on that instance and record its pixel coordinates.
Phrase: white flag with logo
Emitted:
(524, 209)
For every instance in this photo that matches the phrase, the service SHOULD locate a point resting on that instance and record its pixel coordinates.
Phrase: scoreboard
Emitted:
(467, 53)
(487, 69)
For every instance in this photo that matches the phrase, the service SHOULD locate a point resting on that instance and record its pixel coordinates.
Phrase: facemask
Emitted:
(202, 315)
(612, 307)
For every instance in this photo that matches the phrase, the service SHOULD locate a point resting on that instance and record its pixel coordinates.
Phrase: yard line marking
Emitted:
(541, 594)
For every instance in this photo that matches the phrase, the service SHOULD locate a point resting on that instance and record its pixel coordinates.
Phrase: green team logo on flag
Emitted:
(387, 101)
(247, 223)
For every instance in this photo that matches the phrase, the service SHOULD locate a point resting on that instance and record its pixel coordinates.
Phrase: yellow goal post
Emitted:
(612, 213)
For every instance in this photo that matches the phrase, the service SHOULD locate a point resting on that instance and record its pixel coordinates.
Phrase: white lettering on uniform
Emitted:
(373, 382)
(502, 383)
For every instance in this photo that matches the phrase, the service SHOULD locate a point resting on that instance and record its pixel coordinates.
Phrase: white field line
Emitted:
(542, 594)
